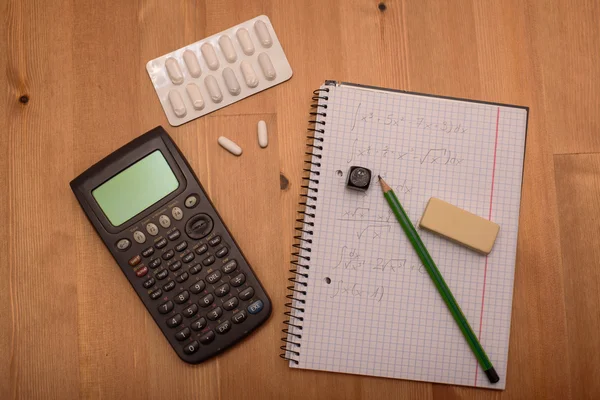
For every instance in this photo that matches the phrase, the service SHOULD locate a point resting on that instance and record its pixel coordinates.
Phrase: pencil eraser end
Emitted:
(460, 226)
(492, 375)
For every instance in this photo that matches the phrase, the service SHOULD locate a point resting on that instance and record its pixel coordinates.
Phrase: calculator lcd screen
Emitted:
(136, 188)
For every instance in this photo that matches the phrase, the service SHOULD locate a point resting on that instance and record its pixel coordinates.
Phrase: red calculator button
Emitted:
(135, 260)
(142, 271)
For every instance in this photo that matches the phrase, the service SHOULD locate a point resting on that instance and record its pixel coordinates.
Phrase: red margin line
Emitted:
(489, 218)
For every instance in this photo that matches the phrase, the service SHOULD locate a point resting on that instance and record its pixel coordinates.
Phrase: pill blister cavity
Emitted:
(195, 96)
(174, 71)
(263, 137)
(249, 75)
(263, 34)
(208, 52)
(267, 66)
(230, 145)
(245, 42)
(231, 82)
(177, 103)
(192, 64)
(213, 89)
(227, 48)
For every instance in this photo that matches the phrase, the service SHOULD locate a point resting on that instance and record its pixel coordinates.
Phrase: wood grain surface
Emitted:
(74, 88)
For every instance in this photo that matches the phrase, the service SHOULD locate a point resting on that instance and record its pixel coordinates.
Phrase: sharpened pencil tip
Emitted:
(384, 186)
(378, 177)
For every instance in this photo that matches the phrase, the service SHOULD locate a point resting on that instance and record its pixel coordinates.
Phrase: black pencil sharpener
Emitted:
(359, 178)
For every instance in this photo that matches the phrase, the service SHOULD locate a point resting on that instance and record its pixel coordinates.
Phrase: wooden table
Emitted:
(75, 89)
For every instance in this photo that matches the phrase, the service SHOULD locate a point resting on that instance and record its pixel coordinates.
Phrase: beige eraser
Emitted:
(460, 226)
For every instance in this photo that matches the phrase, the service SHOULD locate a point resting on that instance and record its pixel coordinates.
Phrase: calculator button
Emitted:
(202, 249)
(198, 226)
(195, 269)
(229, 267)
(239, 317)
(238, 280)
(161, 243)
(183, 277)
(255, 307)
(177, 213)
(222, 252)
(169, 286)
(167, 255)
(188, 257)
(183, 334)
(141, 271)
(247, 294)
(162, 274)
(190, 311)
(224, 327)
(208, 260)
(164, 221)
(154, 263)
(166, 307)
(197, 287)
(207, 337)
(222, 290)
(231, 304)
(175, 266)
(182, 297)
(214, 314)
(148, 252)
(206, 300)
(155, 294)
(191, 201)
(152, 229)
(174, 321)
(214, 277)
(181, 246)
(174, 235)
(199, 324)
(191, 348)
(149, 282)
(123, 244)
(214, 241)
(139, 236)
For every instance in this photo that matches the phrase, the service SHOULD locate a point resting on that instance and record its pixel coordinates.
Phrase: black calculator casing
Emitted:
(191, 349)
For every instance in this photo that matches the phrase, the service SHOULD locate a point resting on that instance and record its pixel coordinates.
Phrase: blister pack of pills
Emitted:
(219, 70)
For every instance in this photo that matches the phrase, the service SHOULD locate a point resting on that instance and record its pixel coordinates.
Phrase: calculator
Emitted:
(155, 218)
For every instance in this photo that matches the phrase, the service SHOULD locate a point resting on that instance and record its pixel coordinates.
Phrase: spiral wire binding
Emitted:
(305, 223)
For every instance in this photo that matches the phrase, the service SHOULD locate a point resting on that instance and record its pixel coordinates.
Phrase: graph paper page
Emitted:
(370, 307)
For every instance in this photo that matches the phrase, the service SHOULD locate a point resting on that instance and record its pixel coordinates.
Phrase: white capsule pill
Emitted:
(263, 33)
(244, 38)
(174, 71)
(230, 146)
(231, 81)
(195, 96)
(192, 64)
(213, 89)
(267, 66)
(263, 138)
(249, 74)
(227, 48)
(177, 103)
(208, 52)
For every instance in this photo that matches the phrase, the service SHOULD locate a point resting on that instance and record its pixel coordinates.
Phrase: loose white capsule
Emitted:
(231, 81)
(263, 138)
(227, 47)
(177, 103)
(194, 92)
(244, 38)
(208, 52)
(213, 89)
(249, 74)
(191, 62)
(267, 66)
(263, 34)
(174, 71)
(230, 146)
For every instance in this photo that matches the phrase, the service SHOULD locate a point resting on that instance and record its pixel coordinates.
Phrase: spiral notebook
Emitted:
(361, 302)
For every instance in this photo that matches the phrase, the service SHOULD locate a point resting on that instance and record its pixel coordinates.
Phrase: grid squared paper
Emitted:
(380, 314)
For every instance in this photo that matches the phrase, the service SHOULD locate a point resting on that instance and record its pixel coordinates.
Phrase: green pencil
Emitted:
(439, 282)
